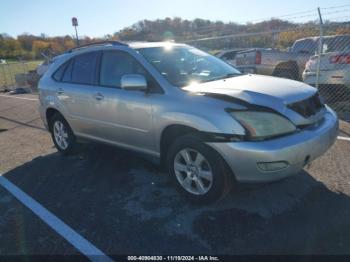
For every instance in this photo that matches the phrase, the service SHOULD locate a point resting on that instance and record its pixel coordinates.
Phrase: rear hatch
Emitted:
(329, 61)
(336, 54)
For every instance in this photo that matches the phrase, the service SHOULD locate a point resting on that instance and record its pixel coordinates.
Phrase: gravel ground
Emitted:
(125, 205)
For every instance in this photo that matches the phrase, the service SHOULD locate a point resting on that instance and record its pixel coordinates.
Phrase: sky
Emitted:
(100, 17)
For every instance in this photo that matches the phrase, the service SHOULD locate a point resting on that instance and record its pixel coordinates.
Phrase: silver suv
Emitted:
(197, 115)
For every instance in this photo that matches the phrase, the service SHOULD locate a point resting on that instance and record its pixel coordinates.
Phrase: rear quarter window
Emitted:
(67, 77)
(59, 72)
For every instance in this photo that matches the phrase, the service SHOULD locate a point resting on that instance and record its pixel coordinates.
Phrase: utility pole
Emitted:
(75, 24)
(320, 49)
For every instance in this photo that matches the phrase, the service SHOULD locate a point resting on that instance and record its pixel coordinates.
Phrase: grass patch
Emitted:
(9, 71)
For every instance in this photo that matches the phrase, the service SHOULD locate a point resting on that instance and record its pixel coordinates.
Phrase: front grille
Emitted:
(308, 107)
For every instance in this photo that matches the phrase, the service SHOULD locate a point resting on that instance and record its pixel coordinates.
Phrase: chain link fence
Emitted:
(315, 52)
(18, 75)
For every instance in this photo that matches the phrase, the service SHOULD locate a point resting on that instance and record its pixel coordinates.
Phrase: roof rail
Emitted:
(111, 42)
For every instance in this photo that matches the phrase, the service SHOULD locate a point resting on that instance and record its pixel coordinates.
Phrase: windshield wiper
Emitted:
(221, 77)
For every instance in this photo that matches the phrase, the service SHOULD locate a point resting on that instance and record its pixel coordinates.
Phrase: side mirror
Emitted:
(133, 82)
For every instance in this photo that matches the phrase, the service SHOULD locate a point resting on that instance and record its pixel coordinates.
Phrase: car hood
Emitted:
(266, 91)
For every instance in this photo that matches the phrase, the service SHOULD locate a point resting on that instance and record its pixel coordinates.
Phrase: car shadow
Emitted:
(125, 205)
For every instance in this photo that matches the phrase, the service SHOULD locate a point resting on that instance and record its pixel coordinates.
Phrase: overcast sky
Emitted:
(98, 18)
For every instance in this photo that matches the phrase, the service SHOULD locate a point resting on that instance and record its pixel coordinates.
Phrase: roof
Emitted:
(136, 45)
(94, 44)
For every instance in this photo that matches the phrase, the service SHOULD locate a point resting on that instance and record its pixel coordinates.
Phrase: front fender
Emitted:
(211, 123)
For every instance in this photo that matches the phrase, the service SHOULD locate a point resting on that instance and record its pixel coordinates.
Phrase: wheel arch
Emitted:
(49, 113)
(290, 66)
(169, 134)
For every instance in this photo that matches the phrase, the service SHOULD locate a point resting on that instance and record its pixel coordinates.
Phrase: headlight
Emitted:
(262, 125)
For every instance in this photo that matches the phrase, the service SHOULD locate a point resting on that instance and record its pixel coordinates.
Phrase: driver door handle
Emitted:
(99, 96)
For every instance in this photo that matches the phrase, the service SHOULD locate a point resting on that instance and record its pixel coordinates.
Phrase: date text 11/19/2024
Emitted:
(173, 258)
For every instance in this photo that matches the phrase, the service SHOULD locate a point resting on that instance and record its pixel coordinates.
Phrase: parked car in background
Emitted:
(208, 124)
(229, 55)
(334, 64)
(287, 64)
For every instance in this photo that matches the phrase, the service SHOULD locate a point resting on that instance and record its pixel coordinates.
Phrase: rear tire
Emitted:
(198, 170)
(62, 134)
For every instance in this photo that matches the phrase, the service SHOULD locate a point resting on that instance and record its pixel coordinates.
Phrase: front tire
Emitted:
(198, 170)
(62, 135)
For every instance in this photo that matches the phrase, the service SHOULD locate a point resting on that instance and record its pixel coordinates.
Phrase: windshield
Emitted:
(334, 44)
(306, 46)
(184, 65)
(330, 44)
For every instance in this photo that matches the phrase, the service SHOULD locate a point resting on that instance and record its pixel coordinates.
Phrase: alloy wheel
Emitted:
(193, 171)
(61, 134)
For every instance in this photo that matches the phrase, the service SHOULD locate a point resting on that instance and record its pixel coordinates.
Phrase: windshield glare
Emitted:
(184, 65)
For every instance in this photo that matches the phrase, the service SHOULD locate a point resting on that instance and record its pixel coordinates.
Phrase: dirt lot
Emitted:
(124, 205)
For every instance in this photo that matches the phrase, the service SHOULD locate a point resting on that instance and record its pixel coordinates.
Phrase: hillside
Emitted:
(271, 33)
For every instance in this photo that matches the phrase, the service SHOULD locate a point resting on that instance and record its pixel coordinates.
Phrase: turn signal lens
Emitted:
(273, 166)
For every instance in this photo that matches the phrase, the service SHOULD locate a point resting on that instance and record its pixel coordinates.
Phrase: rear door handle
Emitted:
(60, 91)
(99, 96)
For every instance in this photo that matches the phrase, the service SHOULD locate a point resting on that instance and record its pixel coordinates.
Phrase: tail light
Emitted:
(308, 63)
(258, 58)
(340, 59)
(311, 62)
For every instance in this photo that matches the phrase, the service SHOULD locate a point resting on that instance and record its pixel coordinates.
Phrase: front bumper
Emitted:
(296, 149)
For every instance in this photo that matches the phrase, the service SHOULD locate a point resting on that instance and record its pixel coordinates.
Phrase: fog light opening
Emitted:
(273, 166)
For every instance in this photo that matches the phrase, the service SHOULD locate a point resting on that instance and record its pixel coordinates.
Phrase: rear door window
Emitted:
(84, 68)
